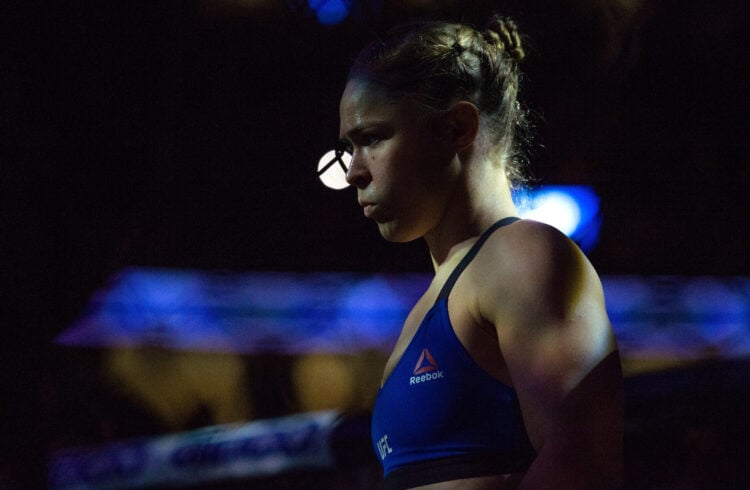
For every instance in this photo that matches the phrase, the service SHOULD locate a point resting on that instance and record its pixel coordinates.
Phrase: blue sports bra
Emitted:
(439, 415)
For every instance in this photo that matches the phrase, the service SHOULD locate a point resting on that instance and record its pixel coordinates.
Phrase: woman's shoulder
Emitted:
(530, 259)
(530, 244)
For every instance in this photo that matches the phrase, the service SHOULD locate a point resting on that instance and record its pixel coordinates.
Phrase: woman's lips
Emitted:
(368, 208)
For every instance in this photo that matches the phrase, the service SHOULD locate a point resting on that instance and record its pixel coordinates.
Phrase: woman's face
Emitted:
(401, 166)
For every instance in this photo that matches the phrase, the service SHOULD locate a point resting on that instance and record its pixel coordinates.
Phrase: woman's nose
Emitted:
(358, 175)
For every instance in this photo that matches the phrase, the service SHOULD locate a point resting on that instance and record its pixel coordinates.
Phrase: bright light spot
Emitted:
(332, 169)
(555, 208)
(572, 209)
(329, 12)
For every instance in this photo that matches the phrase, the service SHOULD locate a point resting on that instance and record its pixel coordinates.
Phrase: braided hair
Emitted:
(437, 63)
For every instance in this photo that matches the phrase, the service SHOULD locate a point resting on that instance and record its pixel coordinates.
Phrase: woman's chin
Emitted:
(391, 232)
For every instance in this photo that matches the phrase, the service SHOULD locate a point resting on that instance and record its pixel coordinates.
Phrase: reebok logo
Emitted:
(426, 363)
(426, 369)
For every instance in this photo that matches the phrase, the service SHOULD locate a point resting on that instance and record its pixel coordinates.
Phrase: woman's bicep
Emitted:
(561, 356)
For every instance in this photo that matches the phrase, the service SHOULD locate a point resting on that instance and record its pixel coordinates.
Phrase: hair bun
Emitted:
(503, 33)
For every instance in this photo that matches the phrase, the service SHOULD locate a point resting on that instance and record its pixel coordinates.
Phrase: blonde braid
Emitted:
(503, 33)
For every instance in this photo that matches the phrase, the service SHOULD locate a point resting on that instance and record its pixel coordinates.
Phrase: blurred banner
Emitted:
(248, 313)
(669, 320)
(683, 318)
(212, 454)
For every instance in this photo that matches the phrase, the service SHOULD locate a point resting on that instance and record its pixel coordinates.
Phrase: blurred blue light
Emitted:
(329, 12)
(574, 210)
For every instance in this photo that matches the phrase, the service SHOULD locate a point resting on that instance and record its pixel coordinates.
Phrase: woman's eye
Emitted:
(369, 140)
(344, 146)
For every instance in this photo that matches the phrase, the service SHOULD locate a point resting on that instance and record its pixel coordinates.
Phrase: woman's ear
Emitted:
(463, 124)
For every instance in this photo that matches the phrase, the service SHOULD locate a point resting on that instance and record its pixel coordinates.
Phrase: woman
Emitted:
(506, 372)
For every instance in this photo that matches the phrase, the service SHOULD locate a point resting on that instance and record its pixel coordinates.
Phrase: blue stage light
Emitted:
(574, 210)
(329, 12)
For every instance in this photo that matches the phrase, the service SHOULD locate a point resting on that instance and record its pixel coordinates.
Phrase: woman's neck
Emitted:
(480, 200)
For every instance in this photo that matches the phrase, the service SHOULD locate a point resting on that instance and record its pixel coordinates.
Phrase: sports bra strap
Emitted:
(470, 255)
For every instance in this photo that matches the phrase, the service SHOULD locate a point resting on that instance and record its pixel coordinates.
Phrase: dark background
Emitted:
(186, 134)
